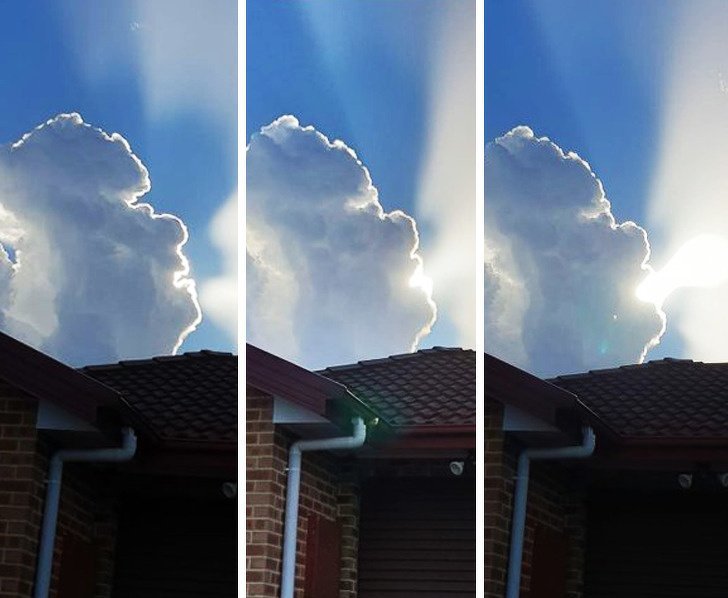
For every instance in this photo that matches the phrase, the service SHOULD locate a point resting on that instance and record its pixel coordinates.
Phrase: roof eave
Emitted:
(45, 378)
(674, 441)
(512, 386)
(448, 436)
(276, 376)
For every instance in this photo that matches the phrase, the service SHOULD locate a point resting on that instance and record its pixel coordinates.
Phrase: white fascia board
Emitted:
(287, 412)
(518, 420)
(53, 417)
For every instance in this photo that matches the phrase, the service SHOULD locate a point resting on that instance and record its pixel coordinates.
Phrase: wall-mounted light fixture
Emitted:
(457, 467)
(230, 489)
(685, 480)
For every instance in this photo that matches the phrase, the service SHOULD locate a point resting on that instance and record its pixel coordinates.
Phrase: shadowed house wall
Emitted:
(556, 516)
(86, 520)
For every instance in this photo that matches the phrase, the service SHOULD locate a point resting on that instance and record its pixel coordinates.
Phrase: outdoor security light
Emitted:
(230, 489)
(685, 480)
(457, 467)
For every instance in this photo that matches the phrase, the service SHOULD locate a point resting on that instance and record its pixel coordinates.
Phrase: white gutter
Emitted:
(53, 496)
(520, 500)
(288, 574)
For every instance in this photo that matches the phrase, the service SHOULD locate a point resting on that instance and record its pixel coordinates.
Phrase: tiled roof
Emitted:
(190, 397)
(667, 398)
(429, 387)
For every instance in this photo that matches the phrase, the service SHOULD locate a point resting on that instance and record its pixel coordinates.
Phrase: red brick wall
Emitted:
(84, 512)
(19, 492)
(348, 515)
(553, 501)
(87, 513)
(574, 504)
(498, 503)
(324, 491)
(265, 487)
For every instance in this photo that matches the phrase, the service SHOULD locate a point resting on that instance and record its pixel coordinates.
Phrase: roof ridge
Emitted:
(104, 366)
(629, 366)
(396, 357)
(157, 359)
(666, 360)
(568, 377)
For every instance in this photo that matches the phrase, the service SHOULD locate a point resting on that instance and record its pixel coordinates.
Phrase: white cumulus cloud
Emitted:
(88, 273)
(560, 272)
(328, 270)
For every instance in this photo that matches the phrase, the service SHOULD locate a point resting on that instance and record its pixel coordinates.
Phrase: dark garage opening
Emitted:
(183, 547)
(657, 546)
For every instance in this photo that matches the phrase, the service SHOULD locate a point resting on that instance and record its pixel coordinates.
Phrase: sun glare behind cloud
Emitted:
(419, 280)
(700, 262)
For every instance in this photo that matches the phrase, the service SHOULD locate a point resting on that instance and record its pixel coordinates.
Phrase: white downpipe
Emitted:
(53, 496)
(290, 530)
(520, 500)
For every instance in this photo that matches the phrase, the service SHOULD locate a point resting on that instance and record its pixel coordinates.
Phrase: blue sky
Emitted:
(344, 92)
(93, 58)
(637, 89)
(588, 76)
(367, 73)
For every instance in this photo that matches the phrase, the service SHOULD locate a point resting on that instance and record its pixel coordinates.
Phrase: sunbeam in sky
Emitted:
(687, 216)
(446, 177)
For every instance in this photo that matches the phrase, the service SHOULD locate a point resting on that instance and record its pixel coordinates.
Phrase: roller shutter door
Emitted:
(177, 548)
(417, 539)
(658, 548)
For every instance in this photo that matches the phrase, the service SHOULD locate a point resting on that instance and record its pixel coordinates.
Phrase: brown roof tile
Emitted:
(193, 397)
(189, 397)
(429, 387)
(667, 398)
